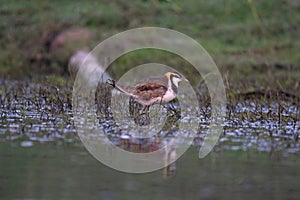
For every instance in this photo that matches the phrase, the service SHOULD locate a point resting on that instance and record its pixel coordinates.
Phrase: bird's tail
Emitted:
(123, 89)
(111, 83)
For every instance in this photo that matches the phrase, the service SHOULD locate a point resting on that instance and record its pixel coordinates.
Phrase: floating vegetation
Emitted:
(31, 113)
(266, 121)
(36, 113)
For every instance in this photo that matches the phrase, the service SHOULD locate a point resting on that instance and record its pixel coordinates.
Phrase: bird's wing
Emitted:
(152, 83)
(149, 90)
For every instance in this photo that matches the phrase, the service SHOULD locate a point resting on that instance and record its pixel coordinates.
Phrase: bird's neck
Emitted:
(173, 86)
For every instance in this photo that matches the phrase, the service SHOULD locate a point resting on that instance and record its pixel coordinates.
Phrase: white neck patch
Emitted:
(176, 81)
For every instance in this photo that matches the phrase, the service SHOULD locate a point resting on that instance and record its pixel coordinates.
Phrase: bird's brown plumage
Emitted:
(150, 91)
(147, 89)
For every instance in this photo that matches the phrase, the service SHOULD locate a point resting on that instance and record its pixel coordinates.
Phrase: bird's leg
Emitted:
(145, 107)
(143, 118)
(161, 98)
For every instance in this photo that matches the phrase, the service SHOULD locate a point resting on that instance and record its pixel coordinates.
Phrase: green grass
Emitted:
(241, 36)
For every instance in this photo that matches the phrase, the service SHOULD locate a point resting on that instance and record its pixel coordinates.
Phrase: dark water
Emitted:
(51, 171)
(41, 156)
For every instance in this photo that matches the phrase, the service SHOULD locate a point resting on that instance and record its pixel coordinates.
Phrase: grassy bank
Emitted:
(254, 43)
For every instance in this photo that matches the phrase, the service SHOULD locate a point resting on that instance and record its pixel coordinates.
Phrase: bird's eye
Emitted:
(177, 76)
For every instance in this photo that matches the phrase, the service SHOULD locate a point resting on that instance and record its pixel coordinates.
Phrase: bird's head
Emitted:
(175, 77)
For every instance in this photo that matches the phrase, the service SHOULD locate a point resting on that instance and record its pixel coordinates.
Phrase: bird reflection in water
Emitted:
(138, 144)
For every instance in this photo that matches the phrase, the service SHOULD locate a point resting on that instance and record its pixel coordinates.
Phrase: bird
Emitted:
(154, 90)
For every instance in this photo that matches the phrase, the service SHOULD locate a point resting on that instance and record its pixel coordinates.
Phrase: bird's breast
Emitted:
(169, 96)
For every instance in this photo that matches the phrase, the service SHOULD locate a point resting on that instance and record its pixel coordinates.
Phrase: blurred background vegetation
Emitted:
(249, 39)
(255, 44)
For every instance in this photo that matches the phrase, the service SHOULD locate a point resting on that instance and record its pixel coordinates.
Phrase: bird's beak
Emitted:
(184, 79)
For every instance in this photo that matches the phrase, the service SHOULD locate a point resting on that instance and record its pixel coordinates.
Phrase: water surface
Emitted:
(51, 171)
(41, 156)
